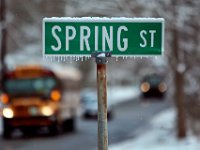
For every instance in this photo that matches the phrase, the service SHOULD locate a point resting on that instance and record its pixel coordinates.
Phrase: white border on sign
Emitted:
(104, 19)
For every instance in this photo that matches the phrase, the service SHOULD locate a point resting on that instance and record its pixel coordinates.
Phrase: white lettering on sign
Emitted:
(68, 37)
(125, 40)
(85, 34)
(143, 34)
(107, 38)
(152, 32)
(58, 47)
(96, 37)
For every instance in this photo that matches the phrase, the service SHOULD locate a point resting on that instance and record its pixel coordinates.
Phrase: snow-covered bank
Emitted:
(120, 94)
(116, 94)
(161, 136)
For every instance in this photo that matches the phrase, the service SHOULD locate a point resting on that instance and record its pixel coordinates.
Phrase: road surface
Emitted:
(130, 119)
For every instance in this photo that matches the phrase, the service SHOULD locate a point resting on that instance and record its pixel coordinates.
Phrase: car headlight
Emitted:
(47, 111)
(162, 87)
(145, 87)
(8, 113)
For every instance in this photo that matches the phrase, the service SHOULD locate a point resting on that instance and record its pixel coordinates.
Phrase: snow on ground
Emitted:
(120, 94)
(116, 94)
(161, 136)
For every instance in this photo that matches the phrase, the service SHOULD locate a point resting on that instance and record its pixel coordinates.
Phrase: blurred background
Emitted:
(157, 96)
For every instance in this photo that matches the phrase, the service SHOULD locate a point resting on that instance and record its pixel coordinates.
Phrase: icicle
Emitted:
(116, 59)
(68, 58)
(71, 59)
(76, 58)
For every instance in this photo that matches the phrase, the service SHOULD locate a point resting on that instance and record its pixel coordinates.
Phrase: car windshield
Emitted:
(34, 86)
(155, 80)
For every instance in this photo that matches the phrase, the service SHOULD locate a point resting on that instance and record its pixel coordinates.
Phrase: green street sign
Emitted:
(120, 36)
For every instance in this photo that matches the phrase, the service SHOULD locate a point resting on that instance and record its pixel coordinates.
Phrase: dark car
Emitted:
(153, 86)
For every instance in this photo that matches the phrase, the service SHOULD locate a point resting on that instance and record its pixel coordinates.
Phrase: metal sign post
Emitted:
(101, 60)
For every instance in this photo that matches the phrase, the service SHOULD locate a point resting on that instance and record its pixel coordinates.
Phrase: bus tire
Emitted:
(69, 125)
(7, 130)
(53, 130)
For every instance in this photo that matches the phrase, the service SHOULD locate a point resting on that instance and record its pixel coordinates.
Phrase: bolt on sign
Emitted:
(120, 36)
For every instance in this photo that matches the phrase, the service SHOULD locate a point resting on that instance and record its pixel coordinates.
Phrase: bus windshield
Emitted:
(34, 86)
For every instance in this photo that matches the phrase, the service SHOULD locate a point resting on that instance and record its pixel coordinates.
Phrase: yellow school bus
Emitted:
(34, 97)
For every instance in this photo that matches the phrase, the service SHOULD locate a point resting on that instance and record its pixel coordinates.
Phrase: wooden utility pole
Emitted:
(101, 61)
(3, 40)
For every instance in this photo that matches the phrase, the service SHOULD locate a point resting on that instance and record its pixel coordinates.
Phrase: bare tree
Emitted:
(25, 21)
(3, 40)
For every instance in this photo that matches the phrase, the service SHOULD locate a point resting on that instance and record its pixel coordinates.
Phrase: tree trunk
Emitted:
(180, 105)
(179, 94)
(3, 41)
